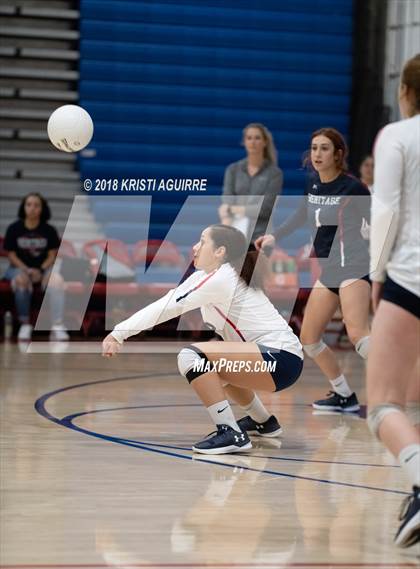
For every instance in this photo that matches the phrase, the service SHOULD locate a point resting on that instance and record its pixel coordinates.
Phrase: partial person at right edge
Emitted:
(393, 371)
(335, 205)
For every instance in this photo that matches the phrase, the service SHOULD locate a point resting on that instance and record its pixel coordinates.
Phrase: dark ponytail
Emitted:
(250, 264)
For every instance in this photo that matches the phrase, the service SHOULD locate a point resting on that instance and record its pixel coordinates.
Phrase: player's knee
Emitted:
(361, 345)
(192, 363)
(412, 410)
(378, 413)
(313, 350)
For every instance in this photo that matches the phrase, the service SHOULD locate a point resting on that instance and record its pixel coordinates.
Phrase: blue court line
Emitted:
(68, 423)
(70, 418)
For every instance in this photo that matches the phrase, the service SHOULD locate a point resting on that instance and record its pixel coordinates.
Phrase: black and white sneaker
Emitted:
(336, 402)
(222, 441)
(409, 531)
(270, 428)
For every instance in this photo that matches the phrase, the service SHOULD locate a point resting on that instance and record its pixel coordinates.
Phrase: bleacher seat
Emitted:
(158, 263)
(43, 33)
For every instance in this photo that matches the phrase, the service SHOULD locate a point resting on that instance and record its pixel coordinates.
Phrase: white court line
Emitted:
(89, 347)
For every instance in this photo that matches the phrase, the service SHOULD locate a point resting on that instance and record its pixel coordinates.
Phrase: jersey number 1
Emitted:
(317, 222)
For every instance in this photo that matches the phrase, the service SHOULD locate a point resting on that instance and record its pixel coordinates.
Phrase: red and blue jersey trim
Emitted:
(200, 284)
(230, 323)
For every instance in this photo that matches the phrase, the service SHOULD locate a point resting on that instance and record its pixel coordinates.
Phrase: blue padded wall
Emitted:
(171, 85)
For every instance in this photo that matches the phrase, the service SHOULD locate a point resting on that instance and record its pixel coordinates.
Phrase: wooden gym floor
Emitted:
(97, 471)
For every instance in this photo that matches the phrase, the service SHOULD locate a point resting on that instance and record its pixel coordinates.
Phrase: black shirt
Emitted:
(334, 212)
(31, 245)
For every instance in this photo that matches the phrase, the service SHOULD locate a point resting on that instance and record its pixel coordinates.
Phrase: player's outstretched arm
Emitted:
(110, 346)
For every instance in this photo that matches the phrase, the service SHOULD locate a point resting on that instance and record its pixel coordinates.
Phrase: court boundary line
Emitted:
(40, 408)
(155, 406)
(212, 565)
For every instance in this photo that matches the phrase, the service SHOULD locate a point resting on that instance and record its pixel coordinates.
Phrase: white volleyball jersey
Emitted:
(395, 219)
(237, 312)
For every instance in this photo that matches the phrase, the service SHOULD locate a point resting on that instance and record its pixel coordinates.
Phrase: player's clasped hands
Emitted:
(265, 241)
(110, 347)
(35, 275)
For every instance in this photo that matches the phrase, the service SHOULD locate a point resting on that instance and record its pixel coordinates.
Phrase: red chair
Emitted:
(114, 247)
(166, 257)
(168, 253)
(282, 284)
(119, 255)
(167, 260)
(5, 288)
(67, 249)
(283, 270)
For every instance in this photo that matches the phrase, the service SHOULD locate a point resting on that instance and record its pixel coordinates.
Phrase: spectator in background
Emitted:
(250, 179)
(366, 171)
(32, 245)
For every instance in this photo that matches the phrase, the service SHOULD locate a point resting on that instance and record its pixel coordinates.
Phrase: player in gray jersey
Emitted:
(334, 206)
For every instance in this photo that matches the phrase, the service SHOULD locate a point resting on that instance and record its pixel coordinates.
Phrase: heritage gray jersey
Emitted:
(334, 212)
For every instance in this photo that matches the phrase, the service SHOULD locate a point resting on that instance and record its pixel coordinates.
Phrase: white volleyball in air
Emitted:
(70, 128)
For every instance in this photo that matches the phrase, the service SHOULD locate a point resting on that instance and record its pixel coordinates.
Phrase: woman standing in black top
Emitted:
(32, 244)
(335, 206)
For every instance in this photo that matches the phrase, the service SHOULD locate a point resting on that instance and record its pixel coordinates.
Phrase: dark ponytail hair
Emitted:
(249, 263)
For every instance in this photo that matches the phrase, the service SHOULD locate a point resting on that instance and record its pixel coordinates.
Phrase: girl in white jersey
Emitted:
(393, 379)
(260, 351)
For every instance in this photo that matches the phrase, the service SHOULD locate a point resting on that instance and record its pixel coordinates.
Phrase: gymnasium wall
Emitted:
(171, 85)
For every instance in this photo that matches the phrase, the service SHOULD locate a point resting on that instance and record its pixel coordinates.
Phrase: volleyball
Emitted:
(70, 128)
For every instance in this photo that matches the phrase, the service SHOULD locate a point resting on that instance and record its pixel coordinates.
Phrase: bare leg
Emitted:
(320, 308)
(392, 358)
(209, 388)
(355, 303)
(241, 396)
(209, 385)
(413, 397)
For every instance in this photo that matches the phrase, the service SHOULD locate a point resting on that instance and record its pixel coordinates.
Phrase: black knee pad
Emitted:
(192, 363)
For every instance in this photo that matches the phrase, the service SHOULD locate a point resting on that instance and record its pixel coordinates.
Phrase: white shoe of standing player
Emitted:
(25, 333)
(59, 333)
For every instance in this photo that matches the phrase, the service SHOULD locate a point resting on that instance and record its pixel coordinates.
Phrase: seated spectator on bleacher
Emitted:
(250, 179)
(32, 245)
